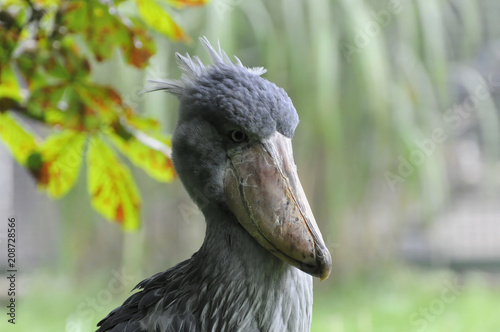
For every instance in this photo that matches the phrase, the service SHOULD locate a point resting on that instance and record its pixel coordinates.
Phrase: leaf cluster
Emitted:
(45, 66)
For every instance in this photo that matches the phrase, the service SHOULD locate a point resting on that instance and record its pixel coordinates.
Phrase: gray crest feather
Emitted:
(192, 68)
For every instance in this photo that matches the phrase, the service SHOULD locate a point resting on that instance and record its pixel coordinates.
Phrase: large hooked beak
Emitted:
(263, 191)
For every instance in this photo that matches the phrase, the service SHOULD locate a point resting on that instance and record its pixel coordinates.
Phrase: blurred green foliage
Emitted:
(391, 302)
(379, 87)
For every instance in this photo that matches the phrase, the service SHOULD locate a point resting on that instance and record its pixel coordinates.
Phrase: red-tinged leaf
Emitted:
(101, 102)
(155, 17)
(119, 213)
(75, 15)
(112, 190)
(102, 30)
(66, 62)
(20, 142)
(183, 3)
(46, 98)
(142, 47)
(47, 4)
(153, 162)
(60, 105)
(61, 157)
(140, 122)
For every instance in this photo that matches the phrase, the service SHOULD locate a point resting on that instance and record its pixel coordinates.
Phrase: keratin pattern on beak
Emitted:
(263, 190)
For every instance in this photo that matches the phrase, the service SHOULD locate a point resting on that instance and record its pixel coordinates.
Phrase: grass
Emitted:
(405, 300)
(409, 300)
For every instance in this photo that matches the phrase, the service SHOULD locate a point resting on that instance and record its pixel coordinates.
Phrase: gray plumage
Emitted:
(232, 283)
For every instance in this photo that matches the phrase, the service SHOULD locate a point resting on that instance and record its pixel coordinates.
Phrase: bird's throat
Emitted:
(265, 293)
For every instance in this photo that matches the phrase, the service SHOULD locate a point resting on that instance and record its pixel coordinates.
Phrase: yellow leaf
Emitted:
(112, 190)
(61, 156)
(20, 142)
(154, 16)
(48, 3)
(154, 162)
(55, 116)
(140, 122)
(182, 3)
(9, 87)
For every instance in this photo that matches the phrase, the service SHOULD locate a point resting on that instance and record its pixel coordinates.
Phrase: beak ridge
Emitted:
(264, 192)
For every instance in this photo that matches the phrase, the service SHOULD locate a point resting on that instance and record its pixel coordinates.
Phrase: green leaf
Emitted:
(101, 102)
(66, 62)
(44, 99)
(61, 157)
(9, 37)
(155, 17)
(52, 59)
(46, 64)
(77, 106)
(29, 66)
(75, 16)
(112, 190)
(142, 47)
(104, 30)
(153, 162)
(19, 141)
(59, 105)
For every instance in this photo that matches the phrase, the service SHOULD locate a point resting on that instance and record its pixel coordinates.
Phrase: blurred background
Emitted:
(397, 149)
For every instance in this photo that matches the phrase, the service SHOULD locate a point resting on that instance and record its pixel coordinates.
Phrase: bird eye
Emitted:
(237, 136)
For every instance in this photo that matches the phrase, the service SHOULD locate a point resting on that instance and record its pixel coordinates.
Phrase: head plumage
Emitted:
(192, 68)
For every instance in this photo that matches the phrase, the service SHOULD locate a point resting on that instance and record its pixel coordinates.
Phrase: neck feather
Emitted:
(231, 284)
(253, 288)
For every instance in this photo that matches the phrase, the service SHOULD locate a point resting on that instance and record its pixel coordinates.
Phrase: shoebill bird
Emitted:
(232, 151)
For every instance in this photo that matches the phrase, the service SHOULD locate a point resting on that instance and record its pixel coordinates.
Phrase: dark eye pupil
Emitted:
(238, 136)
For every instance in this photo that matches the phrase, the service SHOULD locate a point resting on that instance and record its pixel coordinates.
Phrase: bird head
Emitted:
(232, 150)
